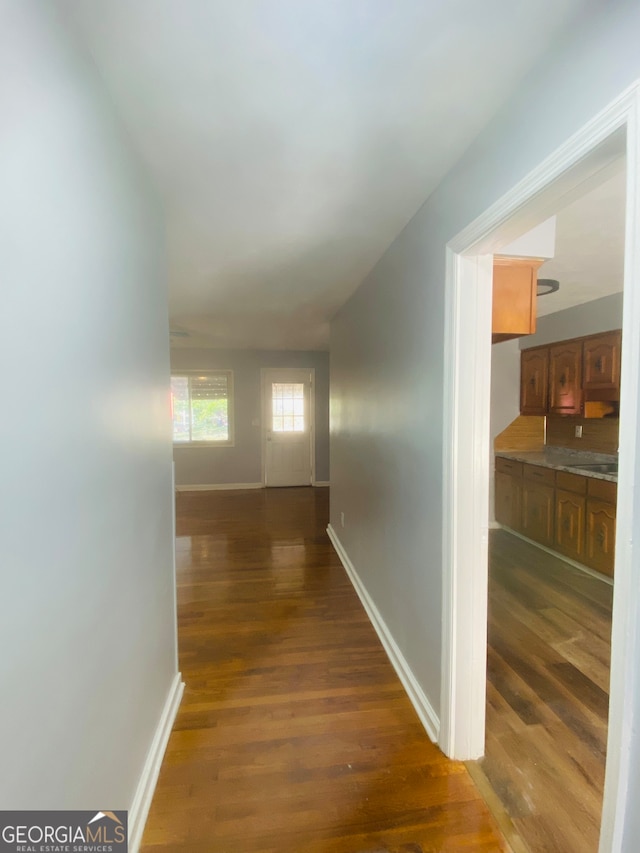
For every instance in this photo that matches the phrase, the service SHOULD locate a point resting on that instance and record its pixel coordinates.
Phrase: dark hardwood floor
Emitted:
(547, 696)
(294, 734)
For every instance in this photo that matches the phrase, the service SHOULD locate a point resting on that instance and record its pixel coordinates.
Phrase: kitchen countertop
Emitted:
(563, 459)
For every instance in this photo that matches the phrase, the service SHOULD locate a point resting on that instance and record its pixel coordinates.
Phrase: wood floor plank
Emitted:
(547, 696)
(294, 735)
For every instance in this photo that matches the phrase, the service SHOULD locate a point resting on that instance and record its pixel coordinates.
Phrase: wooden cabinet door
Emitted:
(507, 505)
(570, 524)
(600, 540)
(601, 363)
(565, 378)
(514, 298)
(534, 381)
(538, 511)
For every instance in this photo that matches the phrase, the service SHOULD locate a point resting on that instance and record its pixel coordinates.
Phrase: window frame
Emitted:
(208, 372)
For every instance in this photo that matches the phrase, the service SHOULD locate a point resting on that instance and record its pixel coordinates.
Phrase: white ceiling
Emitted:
(589, 257)
(291, 140)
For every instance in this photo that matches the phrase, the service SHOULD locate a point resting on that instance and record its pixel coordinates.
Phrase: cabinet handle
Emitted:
(532, 382)
(565, 524)
(598, 364)
(563, 380)
(600, 538)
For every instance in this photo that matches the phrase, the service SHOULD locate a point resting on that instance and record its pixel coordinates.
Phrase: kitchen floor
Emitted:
(547, 698)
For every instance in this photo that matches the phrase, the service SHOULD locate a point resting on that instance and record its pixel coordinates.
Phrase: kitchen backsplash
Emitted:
(598, 434)
(526, 432)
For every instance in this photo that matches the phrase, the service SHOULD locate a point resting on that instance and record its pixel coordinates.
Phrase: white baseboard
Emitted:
(495, 525)
(320, 483)
(216, 487)
(416, 694)
(149, 777)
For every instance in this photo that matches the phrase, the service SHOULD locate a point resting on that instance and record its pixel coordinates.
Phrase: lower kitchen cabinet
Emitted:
(600, 539)
(570, 525)
(570, 513)
(537, 510)
(508, 492)
(601, 536)
(507, 508)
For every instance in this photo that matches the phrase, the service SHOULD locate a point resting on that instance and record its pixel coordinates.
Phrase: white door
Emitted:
(287, 427)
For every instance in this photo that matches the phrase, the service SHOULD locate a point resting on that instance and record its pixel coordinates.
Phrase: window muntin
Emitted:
(202, 407)
(288, 407)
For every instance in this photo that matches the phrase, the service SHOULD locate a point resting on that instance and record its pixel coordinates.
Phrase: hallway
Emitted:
(294, 734)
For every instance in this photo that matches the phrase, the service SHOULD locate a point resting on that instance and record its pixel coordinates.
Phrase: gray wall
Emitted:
(599, 315)
(242, 463)
(87, 634)
(387, 358)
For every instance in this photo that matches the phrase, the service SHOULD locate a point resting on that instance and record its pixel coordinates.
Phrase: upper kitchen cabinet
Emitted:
(534, 381)
(601, 366)
(565, 378)
(576, 377)
(514, 298)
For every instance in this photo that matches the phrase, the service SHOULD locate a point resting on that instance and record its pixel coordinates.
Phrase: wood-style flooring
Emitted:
(294, 734)
(547, 696)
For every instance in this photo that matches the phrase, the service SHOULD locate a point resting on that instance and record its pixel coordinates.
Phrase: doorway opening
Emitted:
(566, 174)
(555, 383)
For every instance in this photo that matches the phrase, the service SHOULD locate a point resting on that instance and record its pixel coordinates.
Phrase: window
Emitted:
(288, 406)
(202, 407)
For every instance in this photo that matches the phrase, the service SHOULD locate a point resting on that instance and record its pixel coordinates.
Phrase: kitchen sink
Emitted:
(597, 467)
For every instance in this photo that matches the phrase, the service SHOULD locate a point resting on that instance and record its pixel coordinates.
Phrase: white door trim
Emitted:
(467, 440)
(264, 415)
